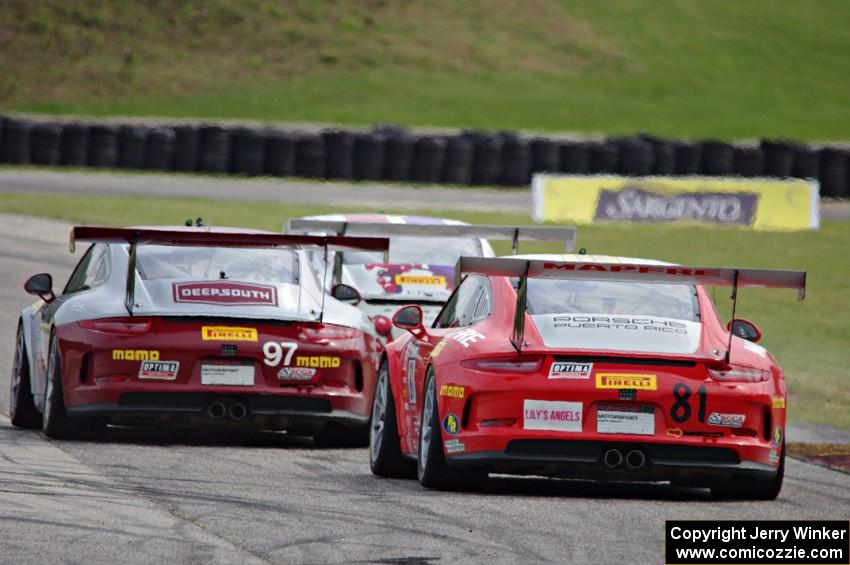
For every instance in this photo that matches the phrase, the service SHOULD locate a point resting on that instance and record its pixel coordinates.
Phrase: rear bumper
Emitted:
(262, 411)
(585, 459)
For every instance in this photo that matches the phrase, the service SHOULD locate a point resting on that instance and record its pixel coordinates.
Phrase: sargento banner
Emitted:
(757, 203)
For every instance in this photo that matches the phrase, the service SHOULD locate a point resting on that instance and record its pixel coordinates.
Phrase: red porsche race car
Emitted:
(589, 367)
(196, 326)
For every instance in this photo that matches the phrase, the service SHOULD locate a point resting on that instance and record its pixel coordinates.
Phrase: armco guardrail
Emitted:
(398, 154)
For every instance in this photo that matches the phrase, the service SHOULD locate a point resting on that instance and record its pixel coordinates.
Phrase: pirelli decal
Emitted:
(420, 279)
(135, 355)
(228, 333)
(625, 380)
(318, 362)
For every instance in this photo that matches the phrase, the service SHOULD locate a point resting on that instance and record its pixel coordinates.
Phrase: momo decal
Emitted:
(728, 420)
(560, 370)
(452, 391)
(225, 293)
(135, 355)
(625, 380)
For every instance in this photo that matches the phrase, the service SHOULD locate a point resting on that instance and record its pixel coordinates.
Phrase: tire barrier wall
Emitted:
(394, 153)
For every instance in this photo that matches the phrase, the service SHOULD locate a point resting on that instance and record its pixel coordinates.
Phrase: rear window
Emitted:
(269, 265)
(426, 250)
(551, 296)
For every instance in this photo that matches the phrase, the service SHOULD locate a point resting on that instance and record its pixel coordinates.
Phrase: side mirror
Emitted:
(410, 318)
(744, 329)
(346, 293)
(40, 285)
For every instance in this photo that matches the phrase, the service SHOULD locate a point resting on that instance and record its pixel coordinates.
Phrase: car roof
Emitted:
(576, 258)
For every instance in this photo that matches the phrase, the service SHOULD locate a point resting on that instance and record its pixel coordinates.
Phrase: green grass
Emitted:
(810, 339)
(695, 68)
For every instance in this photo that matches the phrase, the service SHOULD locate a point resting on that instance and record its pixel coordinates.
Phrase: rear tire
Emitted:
(55, 422)
(746, 488)
(22, 409)
(385, 456)
(432, 468)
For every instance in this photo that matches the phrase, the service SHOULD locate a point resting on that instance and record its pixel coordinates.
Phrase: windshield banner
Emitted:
(763, 204)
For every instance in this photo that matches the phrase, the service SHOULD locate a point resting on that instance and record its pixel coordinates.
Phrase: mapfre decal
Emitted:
(225, 293)
(228, 333)
(135, 355)
(625, 380)
(465, 337)
(637, 269)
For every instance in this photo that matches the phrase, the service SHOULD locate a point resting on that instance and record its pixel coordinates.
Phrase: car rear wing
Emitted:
(628, 272)
(204, 237)
(514, 234)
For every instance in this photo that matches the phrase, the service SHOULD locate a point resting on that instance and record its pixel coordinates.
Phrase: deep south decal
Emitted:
(225, 293)
(392, 278)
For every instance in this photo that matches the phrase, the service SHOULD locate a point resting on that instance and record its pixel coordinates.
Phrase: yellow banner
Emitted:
(763, 204)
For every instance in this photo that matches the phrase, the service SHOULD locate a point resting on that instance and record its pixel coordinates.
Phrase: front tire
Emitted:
(752, 489)
(432, 468)
(21, 405)
(385, 456)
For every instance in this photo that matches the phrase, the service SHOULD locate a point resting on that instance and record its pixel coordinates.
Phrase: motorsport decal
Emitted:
(644, 205)
(777, 402)
(556, 415)
(777, 436)
(392, 278)
(625, 380)
(159, 370)
(135, 355)
(452, 391)
(454, 446)
(729, 420)
(465, 337)
(228, 333)
(225, 293)
(296, 374)
(560, 370)
(451, 424)
(625, 419)
(620, 323)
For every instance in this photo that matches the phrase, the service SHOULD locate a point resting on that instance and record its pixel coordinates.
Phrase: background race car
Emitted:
(195, 326)
(593, 367)
(421, 264)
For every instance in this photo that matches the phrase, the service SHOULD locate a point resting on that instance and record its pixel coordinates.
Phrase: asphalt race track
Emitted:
(142, 496)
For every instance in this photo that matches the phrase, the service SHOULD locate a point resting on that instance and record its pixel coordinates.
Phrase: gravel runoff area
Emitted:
(296, 191)
(144, 496)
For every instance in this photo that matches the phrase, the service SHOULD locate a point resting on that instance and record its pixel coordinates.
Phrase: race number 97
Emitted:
(275, 352)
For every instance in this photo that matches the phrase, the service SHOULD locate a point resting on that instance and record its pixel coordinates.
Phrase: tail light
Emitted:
(118, 325)
(524, 364)
(731, 374)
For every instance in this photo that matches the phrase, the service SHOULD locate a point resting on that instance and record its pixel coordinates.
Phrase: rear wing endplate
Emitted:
(514, 234)
(204, 237)
(631, 272)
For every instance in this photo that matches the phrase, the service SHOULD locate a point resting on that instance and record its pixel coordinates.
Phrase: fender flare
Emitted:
(26, 322)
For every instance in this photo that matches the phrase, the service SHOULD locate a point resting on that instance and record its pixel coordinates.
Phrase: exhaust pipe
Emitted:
(635, 460)
(216, 410)
(613, 458)
(237, 412)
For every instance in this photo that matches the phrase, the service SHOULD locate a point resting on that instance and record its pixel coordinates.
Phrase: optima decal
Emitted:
(625, 380)
(227, 333)
(225, 293)
(570, 370)
(159, 370)
(135, 355)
